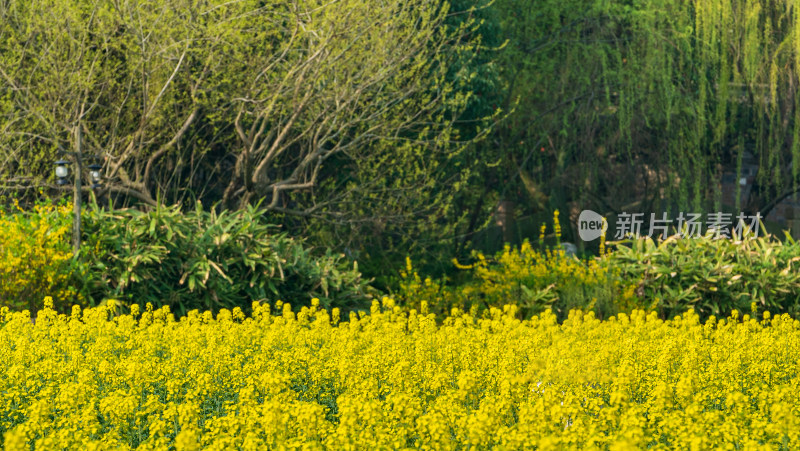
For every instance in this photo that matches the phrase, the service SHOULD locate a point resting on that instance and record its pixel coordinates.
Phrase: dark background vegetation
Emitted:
(409, 128)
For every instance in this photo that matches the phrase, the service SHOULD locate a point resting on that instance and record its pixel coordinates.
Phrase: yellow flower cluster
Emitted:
(414, 287)
(34, 255)
(536, 280)
(396, 380)
(556, 226)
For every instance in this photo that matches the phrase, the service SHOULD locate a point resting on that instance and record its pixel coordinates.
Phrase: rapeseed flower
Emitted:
(392, 379)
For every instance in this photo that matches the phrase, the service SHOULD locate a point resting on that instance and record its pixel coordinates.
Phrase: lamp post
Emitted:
(62, 172)
(95, 175)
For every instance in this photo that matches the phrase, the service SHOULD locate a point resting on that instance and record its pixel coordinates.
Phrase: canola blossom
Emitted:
(395, 379)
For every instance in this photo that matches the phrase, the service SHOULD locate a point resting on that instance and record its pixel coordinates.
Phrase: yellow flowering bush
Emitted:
(540, 280)
(392, 379)
(535, 280)
(35, 256)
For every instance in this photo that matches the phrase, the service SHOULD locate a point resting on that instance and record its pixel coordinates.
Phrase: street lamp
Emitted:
(62, 172)
(94, 172)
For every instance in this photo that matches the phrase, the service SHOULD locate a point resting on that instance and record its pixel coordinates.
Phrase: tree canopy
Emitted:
(376, 128)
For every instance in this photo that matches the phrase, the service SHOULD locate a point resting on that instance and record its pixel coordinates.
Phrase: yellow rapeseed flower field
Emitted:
(394, 380)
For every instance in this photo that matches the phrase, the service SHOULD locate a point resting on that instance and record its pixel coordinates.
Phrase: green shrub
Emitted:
(713, 276)
(205, 260)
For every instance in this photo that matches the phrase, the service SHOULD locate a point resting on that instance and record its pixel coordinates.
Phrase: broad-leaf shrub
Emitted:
(36, 257)
(205, 260)
(187, 260)
(712, 275)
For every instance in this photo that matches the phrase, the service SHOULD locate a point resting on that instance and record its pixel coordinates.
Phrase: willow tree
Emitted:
(643, 106)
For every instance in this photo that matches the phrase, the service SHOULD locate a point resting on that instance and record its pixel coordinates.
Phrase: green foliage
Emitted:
(205, 260)
(403, 194)
(712, 276)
